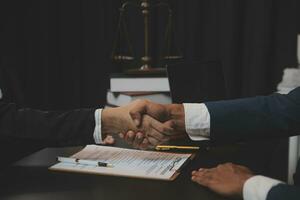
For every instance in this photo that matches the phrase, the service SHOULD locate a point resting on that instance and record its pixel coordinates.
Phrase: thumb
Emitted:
(109, 140)
(137, 112)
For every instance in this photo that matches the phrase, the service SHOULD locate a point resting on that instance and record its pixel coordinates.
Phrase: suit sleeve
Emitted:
(283, 191)
(259, 117)
(52, 128)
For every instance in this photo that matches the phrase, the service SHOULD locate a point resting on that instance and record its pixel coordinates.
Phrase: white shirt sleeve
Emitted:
(97, 131)
(258, 187)
(197, 121)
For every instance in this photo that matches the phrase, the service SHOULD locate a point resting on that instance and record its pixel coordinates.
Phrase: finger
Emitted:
(139, 137)
(157, 135)
(109, 140)
(202, 172)
(153, 141)
(199, 170)
(129, 137)
(145, 144)
(202, 178)
(169, 129)
(122, 135)
(193, 173)
(149, 125)
(205, 170)
(164, 128)
(138, 110)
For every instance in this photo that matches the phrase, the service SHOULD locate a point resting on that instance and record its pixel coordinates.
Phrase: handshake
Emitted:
(144, 124)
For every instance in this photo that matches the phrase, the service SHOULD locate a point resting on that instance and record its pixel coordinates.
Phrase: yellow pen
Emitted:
(167, 147)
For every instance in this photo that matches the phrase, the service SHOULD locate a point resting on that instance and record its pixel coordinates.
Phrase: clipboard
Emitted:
(128, 163)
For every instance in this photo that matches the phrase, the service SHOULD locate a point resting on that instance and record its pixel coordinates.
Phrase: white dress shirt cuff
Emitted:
(258, 187)
(197, 121)
(97, 132)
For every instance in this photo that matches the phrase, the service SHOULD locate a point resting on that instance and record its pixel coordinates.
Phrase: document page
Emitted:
(127, 162)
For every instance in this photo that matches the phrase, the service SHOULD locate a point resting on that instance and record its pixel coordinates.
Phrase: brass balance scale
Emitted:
(145, 7)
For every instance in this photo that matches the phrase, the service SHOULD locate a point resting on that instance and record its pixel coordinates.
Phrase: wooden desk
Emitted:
(30, 178)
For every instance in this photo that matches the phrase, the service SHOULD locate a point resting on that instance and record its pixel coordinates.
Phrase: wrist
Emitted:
(106, 117)
(243, 181)
(177, 115)
(175, 111)
(110, 121)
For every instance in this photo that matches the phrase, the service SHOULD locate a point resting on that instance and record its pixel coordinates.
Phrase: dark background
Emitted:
(55, 54)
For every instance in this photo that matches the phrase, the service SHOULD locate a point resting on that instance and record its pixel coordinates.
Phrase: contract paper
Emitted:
(127, 162)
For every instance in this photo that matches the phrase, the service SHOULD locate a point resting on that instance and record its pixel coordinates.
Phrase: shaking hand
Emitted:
(144, 131)
(168, 123)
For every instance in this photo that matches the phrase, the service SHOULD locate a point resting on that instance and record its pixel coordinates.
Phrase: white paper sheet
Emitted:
(127, 162)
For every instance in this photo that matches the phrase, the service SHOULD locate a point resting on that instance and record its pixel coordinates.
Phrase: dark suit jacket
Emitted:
(45, 128)
(259, 117)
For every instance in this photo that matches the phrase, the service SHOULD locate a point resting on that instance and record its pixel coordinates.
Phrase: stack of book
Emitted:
(127, 88)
